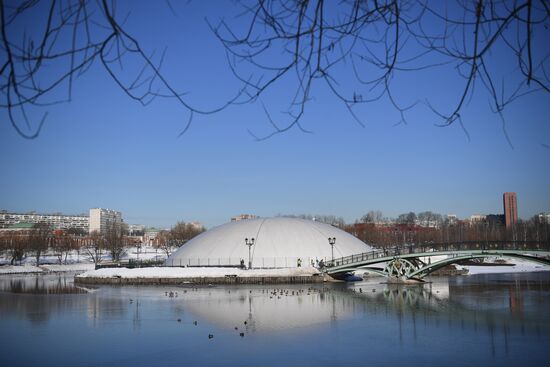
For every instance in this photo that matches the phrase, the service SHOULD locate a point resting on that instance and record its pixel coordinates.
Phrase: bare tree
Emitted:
(39, 240)
(373, 216)
(307, 43)
(356, 49)
(63, 243)
(94, 246)
(183, 232)
(77, 231)
(41, 61)
(407, 218)
(429, 219)
(333, 220)
(114, 240)
(164, 242)
(16, 245)
(536, 230)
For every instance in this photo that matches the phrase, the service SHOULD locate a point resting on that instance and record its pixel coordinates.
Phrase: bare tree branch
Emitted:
(357, 50)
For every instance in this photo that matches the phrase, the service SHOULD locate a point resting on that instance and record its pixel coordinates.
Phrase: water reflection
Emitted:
(38, 284)
(468, 303)
(497, 319)
(503, 302)
(38, 298)
(267, 309)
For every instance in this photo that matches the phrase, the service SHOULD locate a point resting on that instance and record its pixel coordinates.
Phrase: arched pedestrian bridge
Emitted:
(415, 261)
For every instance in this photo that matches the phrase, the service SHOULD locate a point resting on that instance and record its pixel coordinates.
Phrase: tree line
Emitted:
(429, 227)
(333, 220)
(113, 242)
(167, 240)
(437, 229)
(37, 240)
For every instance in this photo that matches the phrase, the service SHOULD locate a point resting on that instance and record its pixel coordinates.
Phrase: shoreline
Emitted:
(44, 269)
(86, 274)
(226, 280)
(203, 276)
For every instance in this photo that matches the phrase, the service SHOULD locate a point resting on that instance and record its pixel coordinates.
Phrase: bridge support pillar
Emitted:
(399, 270)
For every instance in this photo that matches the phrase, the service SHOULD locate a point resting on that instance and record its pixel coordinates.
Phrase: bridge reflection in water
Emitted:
(409, 262)
(502, 314)
(277, 308)
(499, 301)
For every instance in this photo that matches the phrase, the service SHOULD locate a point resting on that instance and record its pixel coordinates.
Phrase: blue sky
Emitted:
(105, 150)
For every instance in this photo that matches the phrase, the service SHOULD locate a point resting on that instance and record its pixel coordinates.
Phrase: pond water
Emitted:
(494, 319)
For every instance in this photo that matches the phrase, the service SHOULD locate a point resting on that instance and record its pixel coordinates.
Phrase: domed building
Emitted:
(278, 243)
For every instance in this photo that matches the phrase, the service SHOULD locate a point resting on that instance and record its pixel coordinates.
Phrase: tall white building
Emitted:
(101, 219)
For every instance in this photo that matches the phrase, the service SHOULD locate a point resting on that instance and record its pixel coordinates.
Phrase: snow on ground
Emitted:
(79, 262)
(49, 262)
(144, 253)
(68, 267)
(17, 269)
(168, 272)
(521, 266)
(29, 269)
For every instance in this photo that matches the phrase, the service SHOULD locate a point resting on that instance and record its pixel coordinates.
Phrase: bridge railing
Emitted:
(438, 247)
(376, 254)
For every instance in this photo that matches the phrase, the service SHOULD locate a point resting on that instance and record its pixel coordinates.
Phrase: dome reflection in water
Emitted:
(491, 319)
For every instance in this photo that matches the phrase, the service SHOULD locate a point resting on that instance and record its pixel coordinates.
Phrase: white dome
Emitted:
(279, 242)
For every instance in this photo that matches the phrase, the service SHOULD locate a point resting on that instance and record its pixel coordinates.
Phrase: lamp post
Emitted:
(249, 243)
(331, 242)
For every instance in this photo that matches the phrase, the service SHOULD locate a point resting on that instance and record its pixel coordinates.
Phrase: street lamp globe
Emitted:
(332, 242)
(249, 243)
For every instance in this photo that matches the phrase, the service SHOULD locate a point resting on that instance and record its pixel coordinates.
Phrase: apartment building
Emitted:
(56, 220)
(101, 219)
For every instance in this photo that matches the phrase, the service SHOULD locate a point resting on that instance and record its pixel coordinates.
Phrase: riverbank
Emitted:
(196, 274)
(74, 261)
(206, 275)
(513, 266)
(44, 269)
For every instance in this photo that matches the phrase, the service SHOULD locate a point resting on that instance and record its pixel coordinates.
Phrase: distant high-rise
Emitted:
(243, 217)
(101, 219)
(510, 209)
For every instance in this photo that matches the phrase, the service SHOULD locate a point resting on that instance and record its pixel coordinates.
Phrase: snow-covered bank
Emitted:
(68, 267)
(168, 272)
(516, 266)
(80, 257)
(20, 269)
(73, 262)
(32, 269)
